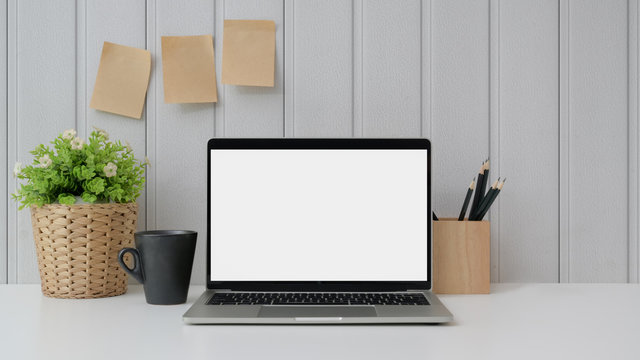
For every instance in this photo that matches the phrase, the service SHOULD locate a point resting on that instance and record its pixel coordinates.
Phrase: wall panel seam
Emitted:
(563, 141)
(150, 116)
(353, 68)
(421, 69)
(146, 121)
(12, 100)
(215, 36)
(81, 69)
(284, 67)
(493, 132)
(292, 64)
(430, 68)
(289, 74)
(357, 68)
(6, 132)
(224, 89)
(219, 106)
(425, 69)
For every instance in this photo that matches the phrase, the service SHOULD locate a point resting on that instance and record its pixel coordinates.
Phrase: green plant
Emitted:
(97, 171)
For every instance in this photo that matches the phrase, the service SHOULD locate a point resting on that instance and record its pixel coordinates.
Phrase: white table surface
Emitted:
(517, 321)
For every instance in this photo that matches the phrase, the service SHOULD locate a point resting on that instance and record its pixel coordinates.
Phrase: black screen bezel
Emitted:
(299, 143)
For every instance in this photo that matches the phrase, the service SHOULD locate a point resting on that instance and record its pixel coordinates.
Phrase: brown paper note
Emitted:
(249, 51)
(188, 69)
(122, 81)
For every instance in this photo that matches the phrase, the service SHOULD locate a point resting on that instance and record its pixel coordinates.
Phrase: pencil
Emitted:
(486, 180)
(483, 203)
(467, 197)
(478, 195)
(493, 198)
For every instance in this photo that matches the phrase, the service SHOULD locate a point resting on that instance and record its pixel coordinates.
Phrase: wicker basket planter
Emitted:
(77, 248)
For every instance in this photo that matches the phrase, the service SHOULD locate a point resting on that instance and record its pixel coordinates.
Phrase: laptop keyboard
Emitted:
(288, 298)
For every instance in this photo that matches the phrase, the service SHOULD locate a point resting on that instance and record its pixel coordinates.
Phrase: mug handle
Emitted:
(136, 272)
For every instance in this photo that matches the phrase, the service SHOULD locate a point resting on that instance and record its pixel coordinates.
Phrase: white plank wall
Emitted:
(598, 142)
(634, 138)
(254, 111)
(547, 88)
(5, 168)
(41, 102)
(181, 132)
(391, 59)
(321, 68)
(524, 138)
(459, 105)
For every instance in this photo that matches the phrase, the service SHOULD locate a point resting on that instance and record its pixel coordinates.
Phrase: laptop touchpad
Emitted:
(317, 311)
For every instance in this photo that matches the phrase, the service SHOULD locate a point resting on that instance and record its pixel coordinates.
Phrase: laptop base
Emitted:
(203, 313)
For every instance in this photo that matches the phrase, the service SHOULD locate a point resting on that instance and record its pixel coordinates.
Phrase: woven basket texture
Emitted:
(77, 248)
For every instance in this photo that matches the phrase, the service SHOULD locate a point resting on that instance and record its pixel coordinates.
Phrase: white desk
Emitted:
(532, 321)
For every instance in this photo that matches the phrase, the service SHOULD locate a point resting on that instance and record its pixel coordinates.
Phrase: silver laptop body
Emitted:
(318, 231)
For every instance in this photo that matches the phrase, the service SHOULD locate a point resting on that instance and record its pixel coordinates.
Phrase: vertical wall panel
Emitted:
(426, 68)
(42, 93)
(358, 38)
(251, 111)
(527, 143)
(563, 143)
(322, 68)
(391, 64)
(459, 98)
(4, 165)
(155, 82)
(121, 22)
(181, 132)
(634, 138)
(598, 141)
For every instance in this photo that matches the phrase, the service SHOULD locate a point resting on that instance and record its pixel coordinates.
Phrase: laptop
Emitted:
(318, 231)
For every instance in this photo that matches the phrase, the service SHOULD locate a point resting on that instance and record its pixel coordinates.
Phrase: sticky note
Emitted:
(188, 68)
(122, 80)
(248, 53)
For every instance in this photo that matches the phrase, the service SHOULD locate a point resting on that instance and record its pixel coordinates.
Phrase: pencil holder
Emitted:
(461, 256)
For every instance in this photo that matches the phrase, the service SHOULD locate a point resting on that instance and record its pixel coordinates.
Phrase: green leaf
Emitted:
(66, 199)
(95, 185)
(89, 197)
(83, 173)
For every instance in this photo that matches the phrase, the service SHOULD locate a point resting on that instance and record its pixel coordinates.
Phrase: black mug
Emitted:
(162, 262)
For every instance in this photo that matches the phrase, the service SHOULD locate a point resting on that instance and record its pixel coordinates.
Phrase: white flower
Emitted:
(69, 134)
(147, 162)
(17, 169)
(110, 169)
(77, 144)
(45, 161)
(102, 132)
(128, 146)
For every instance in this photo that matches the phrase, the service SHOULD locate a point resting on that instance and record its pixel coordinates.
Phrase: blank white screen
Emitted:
(319, 215)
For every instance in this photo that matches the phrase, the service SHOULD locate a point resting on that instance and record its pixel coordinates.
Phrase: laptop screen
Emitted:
(318, 215)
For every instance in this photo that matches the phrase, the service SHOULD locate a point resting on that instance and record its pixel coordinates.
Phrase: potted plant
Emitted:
(83, 211)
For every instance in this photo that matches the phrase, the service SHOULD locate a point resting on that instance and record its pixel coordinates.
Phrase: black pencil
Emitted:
(478, 195)
(490, 202)
(486, 180)
(484, 200)
(467, 197)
